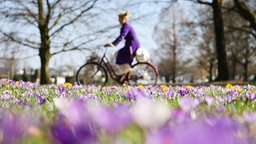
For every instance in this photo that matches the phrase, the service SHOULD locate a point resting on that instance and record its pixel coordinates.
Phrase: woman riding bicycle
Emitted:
(126, 54)
(142, 72)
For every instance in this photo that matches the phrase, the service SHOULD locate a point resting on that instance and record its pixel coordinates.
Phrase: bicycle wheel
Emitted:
(91, 73)
(143, 74)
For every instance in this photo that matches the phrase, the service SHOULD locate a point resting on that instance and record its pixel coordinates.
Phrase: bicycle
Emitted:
(97, 69)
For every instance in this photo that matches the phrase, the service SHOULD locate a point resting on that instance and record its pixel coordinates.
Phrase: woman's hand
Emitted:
(109, 45)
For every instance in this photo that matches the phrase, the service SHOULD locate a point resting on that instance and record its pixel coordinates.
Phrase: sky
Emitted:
(144, 28)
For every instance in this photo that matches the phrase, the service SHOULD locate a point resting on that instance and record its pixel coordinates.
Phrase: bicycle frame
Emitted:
(106, 64)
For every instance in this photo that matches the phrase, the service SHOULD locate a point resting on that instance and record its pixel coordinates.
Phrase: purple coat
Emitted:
(127, 53)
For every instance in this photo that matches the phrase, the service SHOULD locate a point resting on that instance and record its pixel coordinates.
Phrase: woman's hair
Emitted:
(125, 13)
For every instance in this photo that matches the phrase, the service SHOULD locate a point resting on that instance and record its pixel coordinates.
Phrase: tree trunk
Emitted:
(245, 71)
(167, 79)
(45, 72)
(174, 50)
(220, 42)
(210, 70)
(174, 65)
(233, 72)
(44, 51)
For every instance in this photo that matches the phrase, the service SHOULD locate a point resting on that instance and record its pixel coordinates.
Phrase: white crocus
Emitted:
(150, 114)
(60, 103)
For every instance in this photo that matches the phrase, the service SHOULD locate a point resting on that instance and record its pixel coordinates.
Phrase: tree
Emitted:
(240, 45)
(207, 54)
(48, 21)
(8, 62)
(168, 31)
(205, 44)
(247, 12)
(216, 5)
(164, 67)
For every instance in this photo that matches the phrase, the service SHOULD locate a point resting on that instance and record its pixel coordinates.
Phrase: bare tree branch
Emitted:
(75, 18)
(21, 41)
(202, 2)
(246, 13)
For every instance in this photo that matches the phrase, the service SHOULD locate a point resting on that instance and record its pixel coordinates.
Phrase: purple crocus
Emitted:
(162, 136)
(233, 92)
(204, 130)
(188, 103)
(112, 119)
(178, 115)
(62, 91)
(220, 108)
(41, 100)
(230, 99)
(212, 130)
(251, 96)
(209, 100)
(136, 93)
(220, 99)
(68, 133)
(171, 94)
(183, 92)
(250, 117)
(7, 94)
(13, 127)
(62, 131)
(17, 101)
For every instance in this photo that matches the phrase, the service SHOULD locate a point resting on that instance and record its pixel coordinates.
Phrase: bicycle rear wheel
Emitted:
(91, 73)
(143, 74)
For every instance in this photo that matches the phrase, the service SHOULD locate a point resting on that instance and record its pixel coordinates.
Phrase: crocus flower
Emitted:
(230, 99)
(220, 108)
(233, 92)
(68, 133)
(17, 101)
(150, 114)
(250, 117)
(188, 103)
(60, 102)
(112, 119)
(212, 130)
(178, 115)
(135, 93)
(164, 88)
(183, 91)
(220, 99)
(7, 94)
(171, 94)
(13, 127)
(209, 100)
(205, 130)
(62, 91)
(62, 131)
(163, 135)
(229, 85)
(41, 100)
(251, 96)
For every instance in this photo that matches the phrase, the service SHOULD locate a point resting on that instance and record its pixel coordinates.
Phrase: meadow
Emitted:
(71, 114)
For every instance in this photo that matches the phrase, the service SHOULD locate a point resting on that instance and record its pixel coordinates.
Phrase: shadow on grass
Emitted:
(220, 83)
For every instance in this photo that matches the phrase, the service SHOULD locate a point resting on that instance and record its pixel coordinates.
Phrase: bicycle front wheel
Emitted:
(91, 73)
(143, 74)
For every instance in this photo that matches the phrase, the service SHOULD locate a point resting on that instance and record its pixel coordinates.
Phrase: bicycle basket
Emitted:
(142, 55)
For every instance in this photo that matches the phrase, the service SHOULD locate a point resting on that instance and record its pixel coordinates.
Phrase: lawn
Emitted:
(216, 113)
